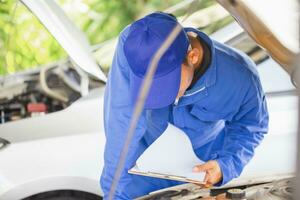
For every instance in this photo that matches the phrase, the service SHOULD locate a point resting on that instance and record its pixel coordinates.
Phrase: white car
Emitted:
(54, 149)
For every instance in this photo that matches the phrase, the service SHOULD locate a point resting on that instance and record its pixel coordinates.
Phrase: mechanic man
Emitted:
(209, 90)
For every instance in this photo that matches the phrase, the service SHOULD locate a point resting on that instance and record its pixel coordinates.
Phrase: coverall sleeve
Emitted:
(117, 115)
(244, 132)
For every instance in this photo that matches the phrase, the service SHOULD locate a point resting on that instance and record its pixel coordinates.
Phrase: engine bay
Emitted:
(276, 190)
(48, 89)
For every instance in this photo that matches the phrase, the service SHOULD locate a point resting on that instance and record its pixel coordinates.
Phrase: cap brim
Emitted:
(163, 90)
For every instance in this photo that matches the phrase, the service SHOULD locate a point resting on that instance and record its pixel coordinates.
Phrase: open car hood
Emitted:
(272, 24)
(67, 34)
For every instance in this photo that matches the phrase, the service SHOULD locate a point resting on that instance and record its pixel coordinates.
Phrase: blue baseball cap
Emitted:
(144, 39)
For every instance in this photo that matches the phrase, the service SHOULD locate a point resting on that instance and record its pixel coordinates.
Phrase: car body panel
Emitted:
(64, 163)
(270, 31)
(55, 151)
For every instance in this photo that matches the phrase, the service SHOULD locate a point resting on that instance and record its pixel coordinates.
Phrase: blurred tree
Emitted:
(104, 19)
(25, 43)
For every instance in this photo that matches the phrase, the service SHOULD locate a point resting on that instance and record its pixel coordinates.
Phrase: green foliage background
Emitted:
(25, 43)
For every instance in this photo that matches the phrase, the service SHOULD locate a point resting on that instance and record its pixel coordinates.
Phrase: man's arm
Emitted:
(242, 135)
(117, 115)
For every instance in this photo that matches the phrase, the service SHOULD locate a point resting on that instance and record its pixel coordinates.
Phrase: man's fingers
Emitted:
(207, 183)
(213, 172)
(206, 177)
(203, 167)
(213, 177)
(205, 180)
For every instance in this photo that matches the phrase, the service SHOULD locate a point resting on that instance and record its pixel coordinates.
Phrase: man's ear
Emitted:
(193, 56)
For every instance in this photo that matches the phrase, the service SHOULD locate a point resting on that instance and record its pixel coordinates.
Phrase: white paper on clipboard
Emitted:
(171, 156)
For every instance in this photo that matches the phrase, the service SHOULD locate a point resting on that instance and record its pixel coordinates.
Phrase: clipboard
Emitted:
(165, 176)
(171, 157)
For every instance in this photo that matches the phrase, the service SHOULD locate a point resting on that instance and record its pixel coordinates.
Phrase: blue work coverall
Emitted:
(224, 114)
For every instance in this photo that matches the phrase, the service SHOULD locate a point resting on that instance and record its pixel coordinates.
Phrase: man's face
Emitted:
(187, 75)
(192, 60)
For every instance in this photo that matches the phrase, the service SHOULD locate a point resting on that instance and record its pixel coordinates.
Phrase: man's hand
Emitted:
(213, 172)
